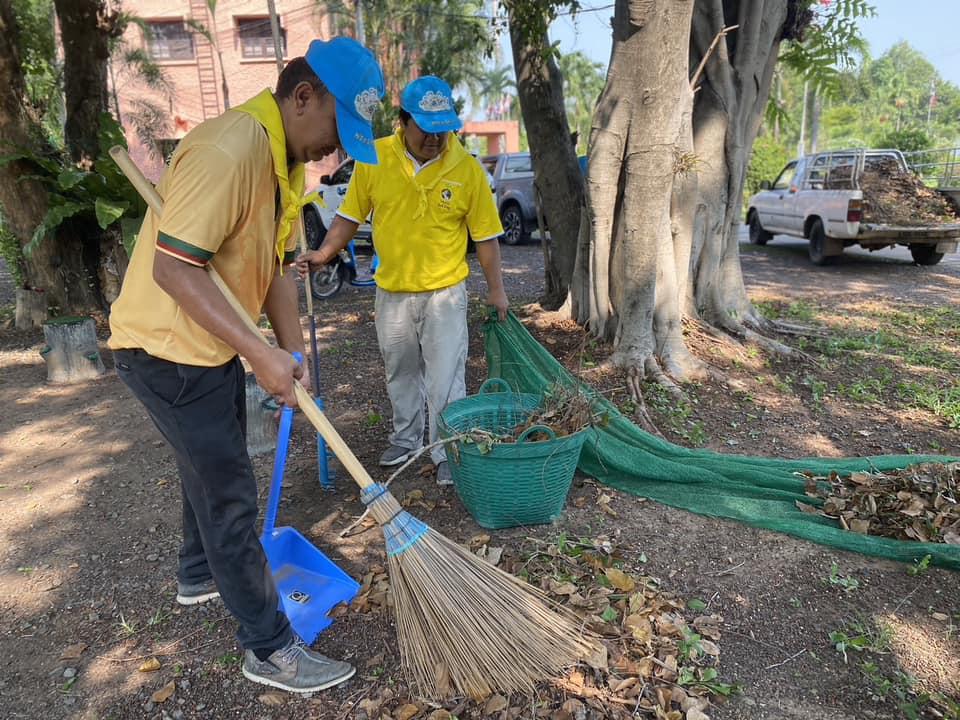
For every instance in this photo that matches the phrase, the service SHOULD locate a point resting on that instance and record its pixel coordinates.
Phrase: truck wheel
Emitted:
(818, 245)
(925, 254)
(758, 236)
(514, 230)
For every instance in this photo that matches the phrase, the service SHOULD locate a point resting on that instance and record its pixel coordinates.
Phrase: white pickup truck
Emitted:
(820, 197)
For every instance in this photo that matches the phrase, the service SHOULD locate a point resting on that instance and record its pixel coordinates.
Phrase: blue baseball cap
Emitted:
(353, 76)
(430, 101)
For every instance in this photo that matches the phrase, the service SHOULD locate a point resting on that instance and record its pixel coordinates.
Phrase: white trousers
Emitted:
(423, 340)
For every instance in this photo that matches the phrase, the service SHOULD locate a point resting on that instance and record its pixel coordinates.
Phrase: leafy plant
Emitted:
(919, 567)
(101, 194)
(847, 582)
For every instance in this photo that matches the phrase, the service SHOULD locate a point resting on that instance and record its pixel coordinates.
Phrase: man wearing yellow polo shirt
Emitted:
(426, 193)
(232, 195)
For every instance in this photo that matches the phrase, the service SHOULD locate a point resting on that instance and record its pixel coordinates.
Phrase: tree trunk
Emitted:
(86, 27)
(727, 114)
(23, 200)
(666, 177)
(631, 269)
(557, 172)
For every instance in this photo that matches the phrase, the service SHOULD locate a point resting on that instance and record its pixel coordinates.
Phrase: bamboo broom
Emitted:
(463, 625)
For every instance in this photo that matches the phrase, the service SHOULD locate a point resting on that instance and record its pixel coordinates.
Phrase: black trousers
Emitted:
(201, 411)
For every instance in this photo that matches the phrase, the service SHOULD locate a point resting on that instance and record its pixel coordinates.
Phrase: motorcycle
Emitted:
(350, 266)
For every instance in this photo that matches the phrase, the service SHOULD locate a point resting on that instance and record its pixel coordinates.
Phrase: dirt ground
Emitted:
(89, 518)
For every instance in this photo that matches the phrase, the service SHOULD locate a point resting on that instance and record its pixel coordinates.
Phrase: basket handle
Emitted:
(493, 382)
(525, 435)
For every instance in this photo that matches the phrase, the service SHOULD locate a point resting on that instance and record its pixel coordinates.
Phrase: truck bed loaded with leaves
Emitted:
(861, 197)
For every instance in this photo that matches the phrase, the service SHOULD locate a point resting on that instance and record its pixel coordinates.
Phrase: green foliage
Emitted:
(766, 162)
(42, 74)
(829, 44)
(100, 195)
(447, 38)
(11, 254)
(907, 140)
(583, 82)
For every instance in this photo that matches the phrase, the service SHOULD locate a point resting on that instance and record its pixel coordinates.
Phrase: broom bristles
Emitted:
(463, 624)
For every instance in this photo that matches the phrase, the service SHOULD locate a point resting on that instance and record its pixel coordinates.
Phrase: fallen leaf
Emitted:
(479, 540)
(564, 588)
(272, 698)
(150, 665)
(73, 652)
(374, 661)
(495, 704)
(859, 526)
(164, 693)
(696, 714)
(940, 616)
(405, 712)
(494, 554)
(440, 714)
(620, 580)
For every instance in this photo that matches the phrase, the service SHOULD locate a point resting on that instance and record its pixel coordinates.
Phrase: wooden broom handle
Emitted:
(336, 443)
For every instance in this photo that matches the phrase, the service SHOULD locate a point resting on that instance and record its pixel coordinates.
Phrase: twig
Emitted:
(906, 597)
(713, 46)
(784, 662)
(727, 571)
(165, 649)
(408, 463)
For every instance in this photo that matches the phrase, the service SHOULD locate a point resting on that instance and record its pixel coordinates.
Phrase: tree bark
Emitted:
(86, 27)
(631, 271)
(727, 115)
(556, 170)
(23, 200)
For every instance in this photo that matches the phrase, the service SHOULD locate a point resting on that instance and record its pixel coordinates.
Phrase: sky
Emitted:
(930, 26)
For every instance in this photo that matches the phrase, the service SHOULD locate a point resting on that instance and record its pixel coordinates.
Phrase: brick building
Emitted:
(243, 55)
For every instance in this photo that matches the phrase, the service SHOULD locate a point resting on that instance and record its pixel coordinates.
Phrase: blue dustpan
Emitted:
(308, 583)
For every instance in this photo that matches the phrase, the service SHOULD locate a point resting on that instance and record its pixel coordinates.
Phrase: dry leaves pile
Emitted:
(893, 196)
(659, 663)
(920, 502)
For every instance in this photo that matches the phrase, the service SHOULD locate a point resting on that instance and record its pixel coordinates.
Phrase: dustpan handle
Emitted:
(279, 464)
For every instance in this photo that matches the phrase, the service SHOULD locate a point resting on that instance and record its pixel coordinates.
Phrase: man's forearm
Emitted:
(195, 292)
(488, 255)
(339, 235)
(283, 311)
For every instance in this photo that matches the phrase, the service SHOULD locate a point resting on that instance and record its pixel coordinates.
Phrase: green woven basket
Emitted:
(522, 483)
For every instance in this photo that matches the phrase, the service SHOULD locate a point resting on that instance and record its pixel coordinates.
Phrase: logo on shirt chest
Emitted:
(445, 202)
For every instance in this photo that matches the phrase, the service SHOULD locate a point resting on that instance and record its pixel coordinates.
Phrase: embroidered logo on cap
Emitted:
(435, 102)
(366, 103)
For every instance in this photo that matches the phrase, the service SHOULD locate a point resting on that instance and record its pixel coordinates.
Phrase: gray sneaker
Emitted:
(443, 474)
(395, 455)
(296, 668)
(196, 593)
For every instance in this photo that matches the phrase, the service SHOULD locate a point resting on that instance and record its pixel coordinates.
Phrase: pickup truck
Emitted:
(825, 199)
(512, 175)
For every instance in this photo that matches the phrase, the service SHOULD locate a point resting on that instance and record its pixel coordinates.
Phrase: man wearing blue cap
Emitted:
(232, 194)
(426, 194)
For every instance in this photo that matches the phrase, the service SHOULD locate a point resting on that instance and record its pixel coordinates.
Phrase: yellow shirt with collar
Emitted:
(220, 207)
(421, 219)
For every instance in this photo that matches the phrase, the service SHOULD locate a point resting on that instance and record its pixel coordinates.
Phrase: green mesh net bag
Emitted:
(754, 490)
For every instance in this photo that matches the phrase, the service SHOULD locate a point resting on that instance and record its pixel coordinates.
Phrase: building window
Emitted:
(256, 38)
(169, 40)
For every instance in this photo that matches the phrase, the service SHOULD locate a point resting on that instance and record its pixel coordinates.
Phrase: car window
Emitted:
(786, 177)
(489, 164)
(342, 174)
(519, 164)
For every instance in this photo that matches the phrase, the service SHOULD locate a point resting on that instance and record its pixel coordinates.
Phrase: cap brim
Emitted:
(437, 122)
(356, 136)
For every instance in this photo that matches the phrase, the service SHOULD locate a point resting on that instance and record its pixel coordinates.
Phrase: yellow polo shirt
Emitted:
(421, 219)
(219, 196)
